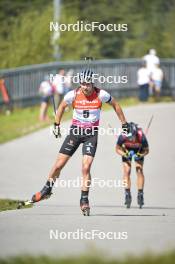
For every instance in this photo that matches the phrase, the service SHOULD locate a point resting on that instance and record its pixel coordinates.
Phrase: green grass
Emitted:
(24, 121)
(7, 204)
(166, 258)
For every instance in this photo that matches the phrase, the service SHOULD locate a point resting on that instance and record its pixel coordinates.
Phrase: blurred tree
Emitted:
(29, 40)
(76, 45)
(26, 39)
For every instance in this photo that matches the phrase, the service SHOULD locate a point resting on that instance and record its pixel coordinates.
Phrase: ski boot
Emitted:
(128, 199)
(140, 199)
(84, 206)
(45, 193)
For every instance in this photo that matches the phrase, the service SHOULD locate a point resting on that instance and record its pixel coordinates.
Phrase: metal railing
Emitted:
(23, 82)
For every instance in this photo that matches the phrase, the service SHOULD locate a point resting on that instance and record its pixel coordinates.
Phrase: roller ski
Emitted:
(128, 199)
(44, 194)
(22, 204)
(84, 206)
(140, 200)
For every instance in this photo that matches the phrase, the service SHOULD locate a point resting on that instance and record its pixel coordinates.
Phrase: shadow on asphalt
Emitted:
(108, 206)
(126, 215)
(135, 207)
(159, 207)
(104, 206)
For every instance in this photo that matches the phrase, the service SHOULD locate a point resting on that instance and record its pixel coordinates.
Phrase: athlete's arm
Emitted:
(68, 99)
(144, 152)
(105, 97)
(118, 111)
(60, 112)
(119, 150)
(145, 146)
(120, 146)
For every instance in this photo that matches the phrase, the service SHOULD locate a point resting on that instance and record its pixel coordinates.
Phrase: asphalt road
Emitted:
(25, 163)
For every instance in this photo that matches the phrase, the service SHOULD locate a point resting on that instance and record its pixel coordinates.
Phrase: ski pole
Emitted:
(147, 129)
(149, 124)
(54, 108)
(53, 103)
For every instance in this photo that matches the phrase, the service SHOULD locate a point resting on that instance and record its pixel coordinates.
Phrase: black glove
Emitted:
(125, 128)
(56, 130)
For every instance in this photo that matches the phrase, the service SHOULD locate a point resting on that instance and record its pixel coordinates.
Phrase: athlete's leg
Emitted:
(86, 181)
(126, 174)
(89, 150)
(140, 182)
(67, 149)
(54, 173)
(140, 175)
(86, 166)
(60, 162)
(127, 181)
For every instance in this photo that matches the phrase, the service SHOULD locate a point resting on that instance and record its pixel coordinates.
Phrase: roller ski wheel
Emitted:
(84, 205)
(128, 200)
(140, 200)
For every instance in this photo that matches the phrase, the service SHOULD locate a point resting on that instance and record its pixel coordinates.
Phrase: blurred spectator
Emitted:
(143, 80)
(157, 78)
(68, 81)
(5, 95)
(59, 86)
(68, 84)
(46, 91)
(151, 60)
